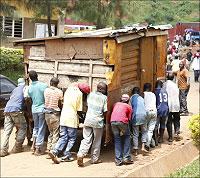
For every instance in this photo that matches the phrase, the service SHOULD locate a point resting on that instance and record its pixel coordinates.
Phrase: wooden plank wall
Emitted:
(161, 56)
(129, 65)
(147, 64)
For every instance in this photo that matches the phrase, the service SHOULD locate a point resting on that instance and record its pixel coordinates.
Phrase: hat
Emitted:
(84, 87)
(125, 97)
(21, 81)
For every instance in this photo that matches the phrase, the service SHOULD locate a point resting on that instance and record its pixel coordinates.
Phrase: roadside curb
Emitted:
(166, 164)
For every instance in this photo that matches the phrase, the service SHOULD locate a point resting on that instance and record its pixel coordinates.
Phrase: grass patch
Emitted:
(13, 74)
(192, 170)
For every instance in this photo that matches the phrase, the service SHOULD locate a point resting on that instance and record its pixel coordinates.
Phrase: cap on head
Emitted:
(125, 98)
(84, 88)
(21, 81)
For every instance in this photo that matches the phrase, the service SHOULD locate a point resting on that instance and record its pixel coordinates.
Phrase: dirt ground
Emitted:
(26, 165)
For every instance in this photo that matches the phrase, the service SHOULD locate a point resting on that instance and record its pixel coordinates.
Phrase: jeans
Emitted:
(183, 100)
(67, 139)
(151, 122)
(91, 136)
(136, 134)
(196, 75)
(121, 134)
(39, 129)
(161, 121)
(174, 117)
(13, 119)
(53, 123)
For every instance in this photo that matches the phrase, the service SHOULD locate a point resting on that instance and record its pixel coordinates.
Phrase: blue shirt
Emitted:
(139, 111)
(36, 92)
(16, 102)
(161, 102)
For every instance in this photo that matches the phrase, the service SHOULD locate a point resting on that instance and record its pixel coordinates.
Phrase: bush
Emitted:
(11, 59)
(194, 126)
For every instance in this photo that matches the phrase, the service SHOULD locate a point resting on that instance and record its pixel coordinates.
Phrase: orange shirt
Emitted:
(182, 77)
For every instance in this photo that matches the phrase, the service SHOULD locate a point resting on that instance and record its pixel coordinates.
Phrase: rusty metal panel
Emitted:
(71, 67)
(66, 80)
(91, 48)
(44, 65)
(37, 51)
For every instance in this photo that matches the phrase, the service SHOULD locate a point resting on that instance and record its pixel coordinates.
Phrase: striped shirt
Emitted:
(182, 77)
(52, 95)
(97, 105)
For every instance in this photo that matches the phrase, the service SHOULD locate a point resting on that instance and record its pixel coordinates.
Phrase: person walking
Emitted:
(93, 125)
(53, 97)
(36, 93)
(14, 116)
(196, 67)
(69, 122)
(120, 117)
(174, 107)
(162, 111)
(183, 85)
(150, 106)
(138, 120)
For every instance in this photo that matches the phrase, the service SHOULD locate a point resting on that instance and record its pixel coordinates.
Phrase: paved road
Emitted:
(26, 165)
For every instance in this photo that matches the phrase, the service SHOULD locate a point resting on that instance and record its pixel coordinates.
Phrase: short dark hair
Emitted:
(136, 90)
(54, 81)
(159, 83)
(170, 76)
(33, 75)
(147, 87)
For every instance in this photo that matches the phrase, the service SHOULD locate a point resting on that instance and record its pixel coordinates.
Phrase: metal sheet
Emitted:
(122, 39)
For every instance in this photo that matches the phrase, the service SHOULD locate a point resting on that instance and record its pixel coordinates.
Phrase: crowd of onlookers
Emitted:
(138, 121)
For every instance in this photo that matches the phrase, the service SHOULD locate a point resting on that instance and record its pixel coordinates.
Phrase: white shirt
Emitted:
(187, 37)
(173, 96)
(150, 101)
(196, 64)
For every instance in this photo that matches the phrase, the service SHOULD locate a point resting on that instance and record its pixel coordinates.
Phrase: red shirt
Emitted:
(121, 112)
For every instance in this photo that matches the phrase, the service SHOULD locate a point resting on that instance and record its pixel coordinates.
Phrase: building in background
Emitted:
(23, 26)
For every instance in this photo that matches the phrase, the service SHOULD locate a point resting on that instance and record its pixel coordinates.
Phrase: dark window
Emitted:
(6, 86)
(11, 27)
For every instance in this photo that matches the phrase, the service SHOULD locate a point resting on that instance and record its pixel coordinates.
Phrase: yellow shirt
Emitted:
(72, 104)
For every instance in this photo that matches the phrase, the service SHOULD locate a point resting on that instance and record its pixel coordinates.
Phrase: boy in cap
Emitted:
(93, 125)
(69, 122)
(14, 116)
(120, 118)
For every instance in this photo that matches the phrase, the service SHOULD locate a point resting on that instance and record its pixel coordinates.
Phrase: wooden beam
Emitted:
(156, 33)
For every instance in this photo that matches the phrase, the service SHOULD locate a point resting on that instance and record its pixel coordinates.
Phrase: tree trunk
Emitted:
(49, 17)
(118, 14)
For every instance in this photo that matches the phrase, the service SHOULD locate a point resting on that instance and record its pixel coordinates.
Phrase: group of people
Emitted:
(144, 113)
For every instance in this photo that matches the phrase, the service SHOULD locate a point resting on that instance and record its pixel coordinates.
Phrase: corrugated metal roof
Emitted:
(101, 33)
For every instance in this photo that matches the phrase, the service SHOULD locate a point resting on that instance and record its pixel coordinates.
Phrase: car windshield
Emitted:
(6, 86)
(195, 34)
